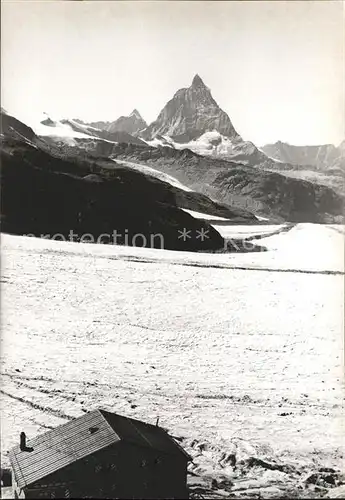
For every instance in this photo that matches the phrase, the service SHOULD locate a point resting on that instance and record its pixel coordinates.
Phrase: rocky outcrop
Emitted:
(12, 127)
(191, 112)
(294, 200)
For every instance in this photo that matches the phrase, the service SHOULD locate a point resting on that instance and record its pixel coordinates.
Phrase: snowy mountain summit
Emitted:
(189, 114)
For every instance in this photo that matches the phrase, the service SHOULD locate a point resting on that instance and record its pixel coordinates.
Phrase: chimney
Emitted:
(22, 441)
(23, 446)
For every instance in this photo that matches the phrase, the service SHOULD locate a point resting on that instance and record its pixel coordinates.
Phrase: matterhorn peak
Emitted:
(197, 82)
(189, 114)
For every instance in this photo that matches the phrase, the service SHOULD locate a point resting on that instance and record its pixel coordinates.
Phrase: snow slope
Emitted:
(199, 215)
(304, 247)
(59, 130)
(154, 173)
(210, 143)
(235, 356)
(162, 140)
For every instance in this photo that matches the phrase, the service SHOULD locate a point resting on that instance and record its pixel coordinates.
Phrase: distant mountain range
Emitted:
(193, 120)
(324, 157)
(194, 141)
(88, 130)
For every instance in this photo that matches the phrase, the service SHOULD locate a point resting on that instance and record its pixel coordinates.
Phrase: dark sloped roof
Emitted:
(143, 434)
(81, 437)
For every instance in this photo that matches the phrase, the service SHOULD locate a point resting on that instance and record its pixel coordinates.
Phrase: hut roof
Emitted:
(84, 436)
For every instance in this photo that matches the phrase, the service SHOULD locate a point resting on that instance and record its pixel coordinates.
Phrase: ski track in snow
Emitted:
(232, 360)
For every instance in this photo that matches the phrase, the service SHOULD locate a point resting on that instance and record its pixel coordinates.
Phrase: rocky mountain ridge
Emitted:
(324, 157)
(132, 124)
(265, 193)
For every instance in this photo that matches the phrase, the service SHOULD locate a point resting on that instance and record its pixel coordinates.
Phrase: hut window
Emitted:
(67, 493)
(144, 463)
(98, 468)
(158, 461)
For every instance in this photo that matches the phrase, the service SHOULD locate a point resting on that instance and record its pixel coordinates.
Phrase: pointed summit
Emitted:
(136, 113)
(197, 82)
(131, 124)
(189, 114)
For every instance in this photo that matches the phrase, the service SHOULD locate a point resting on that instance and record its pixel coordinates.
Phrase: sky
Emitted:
(276, 67)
